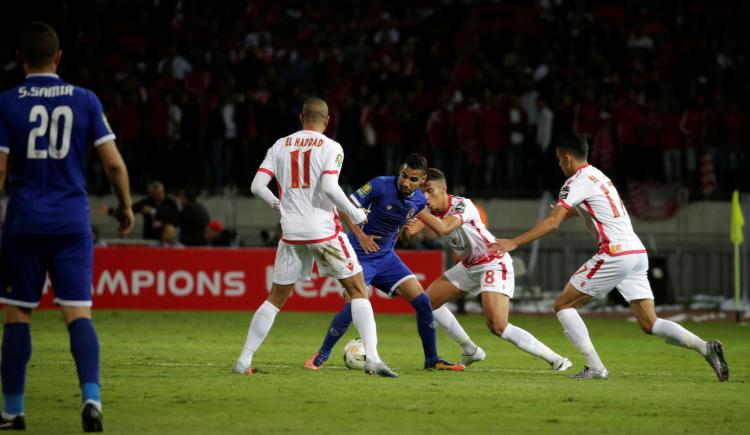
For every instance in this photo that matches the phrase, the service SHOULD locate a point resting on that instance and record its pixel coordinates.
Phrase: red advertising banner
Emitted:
(148, 278)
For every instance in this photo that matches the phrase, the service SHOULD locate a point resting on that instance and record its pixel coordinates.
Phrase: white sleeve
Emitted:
(261, 190)
(330, 186)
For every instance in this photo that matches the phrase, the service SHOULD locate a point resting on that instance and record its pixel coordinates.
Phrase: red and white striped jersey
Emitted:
(298, 162)
(470, 240)
(596, 200)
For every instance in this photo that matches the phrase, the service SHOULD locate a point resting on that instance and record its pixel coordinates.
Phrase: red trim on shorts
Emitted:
(603, 239)
(331, 172)
(305, 242)
(266, 171)
(343, 247)
(504, 271)
(617, 254)
(595, 269)
(564, 204)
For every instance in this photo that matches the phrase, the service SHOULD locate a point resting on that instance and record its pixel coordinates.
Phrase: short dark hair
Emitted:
(573, 143)
(39, 44)
(314, 109)
(434, 174)
(416, 161)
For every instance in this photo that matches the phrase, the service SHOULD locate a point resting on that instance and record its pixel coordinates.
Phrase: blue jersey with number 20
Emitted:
(46, 127)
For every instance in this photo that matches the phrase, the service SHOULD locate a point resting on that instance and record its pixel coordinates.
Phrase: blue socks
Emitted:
(339, 325)
(16, 353)
(426, 328)
(84, 345)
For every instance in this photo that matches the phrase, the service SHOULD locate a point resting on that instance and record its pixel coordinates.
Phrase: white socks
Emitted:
(678, 336)
(528, 343)
(364, 321)
(259, 327)
(578, 334)
(447, 321)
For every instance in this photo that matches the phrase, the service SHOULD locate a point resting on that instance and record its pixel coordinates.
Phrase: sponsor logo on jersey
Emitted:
(564, 192)
(339, 160)
(388, 207)
(364, 190)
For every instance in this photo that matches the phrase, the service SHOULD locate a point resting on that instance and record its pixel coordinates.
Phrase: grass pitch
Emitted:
(169, 372)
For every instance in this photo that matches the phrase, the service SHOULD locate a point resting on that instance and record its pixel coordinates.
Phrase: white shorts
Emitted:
(495, 276)
(335, 258)
(602, 273)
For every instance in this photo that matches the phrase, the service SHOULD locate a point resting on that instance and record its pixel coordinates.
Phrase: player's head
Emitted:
(572, 152)
(40, 48)
(435, 189)
(413, 174)
(314, 114)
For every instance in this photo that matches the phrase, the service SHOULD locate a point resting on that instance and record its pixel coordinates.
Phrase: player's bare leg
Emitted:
(576, 331)
(496, 307)
(440, 292)
(260, 325)
(675, 334)
(412, 291)
(84, 345)
(364, 320)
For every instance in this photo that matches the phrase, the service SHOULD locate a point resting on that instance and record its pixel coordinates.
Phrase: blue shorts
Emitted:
(25, 261)
(384, 271)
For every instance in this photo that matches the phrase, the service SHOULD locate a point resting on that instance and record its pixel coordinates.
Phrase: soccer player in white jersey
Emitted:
(480, 271)
(621, 261)
(306, 165)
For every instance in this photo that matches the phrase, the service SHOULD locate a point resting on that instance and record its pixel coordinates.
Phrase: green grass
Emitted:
(169, 372)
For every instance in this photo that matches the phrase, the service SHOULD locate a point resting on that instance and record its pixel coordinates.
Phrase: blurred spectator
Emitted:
(197, 96)
(192, 219)
(217, 235)
(157, 209)
(168, 237)
(271, 238)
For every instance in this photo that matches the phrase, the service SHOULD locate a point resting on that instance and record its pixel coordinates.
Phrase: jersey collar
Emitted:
(34, 75)
(447, 209)
(585, 165)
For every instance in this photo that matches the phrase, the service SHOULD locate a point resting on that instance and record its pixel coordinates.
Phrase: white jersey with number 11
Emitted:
(595, 198)
(298, 162)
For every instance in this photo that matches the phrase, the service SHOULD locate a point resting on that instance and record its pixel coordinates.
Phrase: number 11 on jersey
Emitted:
(305, 169)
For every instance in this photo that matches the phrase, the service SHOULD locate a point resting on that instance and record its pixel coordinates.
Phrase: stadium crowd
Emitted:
(198, 90)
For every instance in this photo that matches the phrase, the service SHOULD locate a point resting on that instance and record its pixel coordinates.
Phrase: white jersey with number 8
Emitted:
(298, 162)
(595, 198)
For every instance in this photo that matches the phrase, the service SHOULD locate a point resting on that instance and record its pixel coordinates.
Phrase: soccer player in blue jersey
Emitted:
(392, 202)
(46, 128)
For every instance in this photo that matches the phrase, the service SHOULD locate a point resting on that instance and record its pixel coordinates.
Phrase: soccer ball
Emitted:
(354, 354)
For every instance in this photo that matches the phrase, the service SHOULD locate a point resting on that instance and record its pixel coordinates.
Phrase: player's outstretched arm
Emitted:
(259, 187)
(546, 226)
(367, 242)
(330, 186)
(443, 226)
(117, 173)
